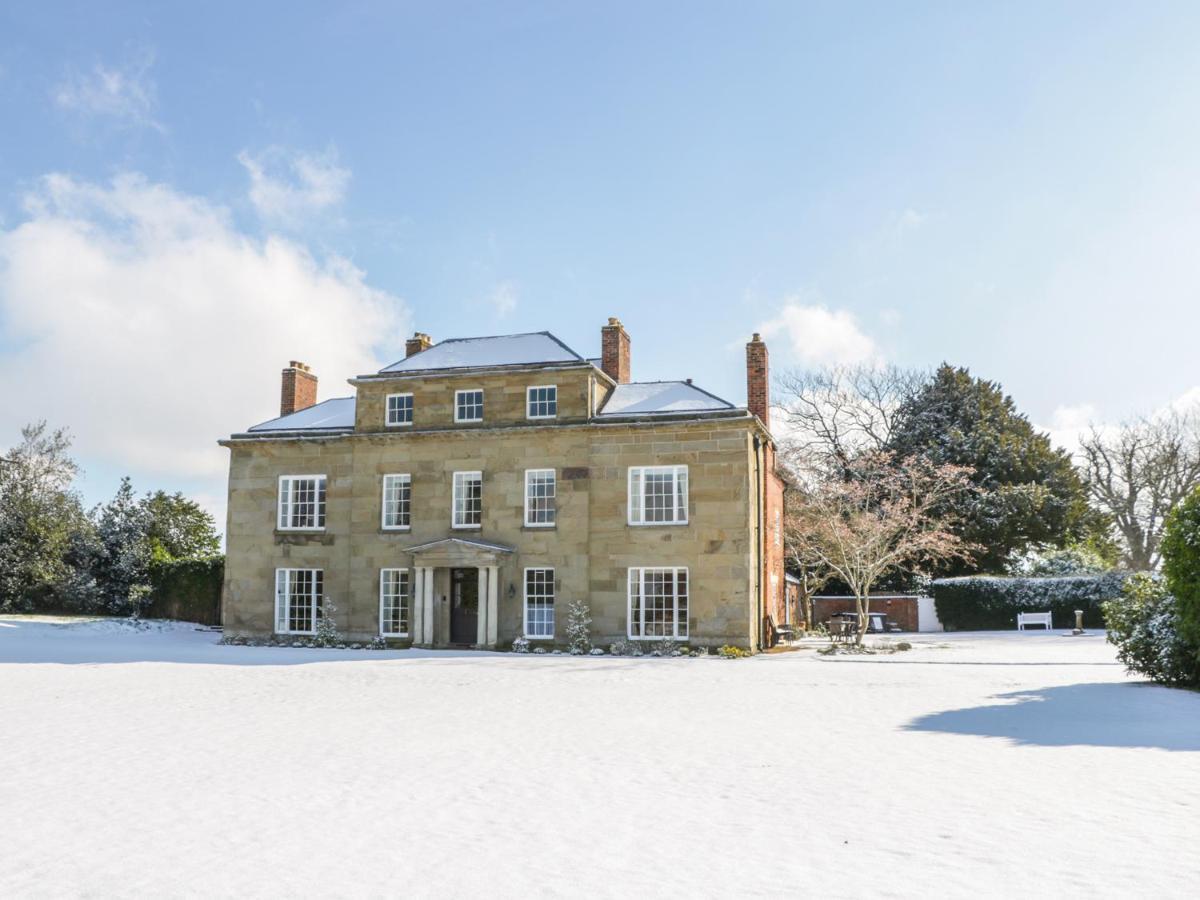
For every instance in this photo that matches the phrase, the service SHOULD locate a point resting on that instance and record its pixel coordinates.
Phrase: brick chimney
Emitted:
(614, 351)
(758, 391)
(418, 342)
(299, 388)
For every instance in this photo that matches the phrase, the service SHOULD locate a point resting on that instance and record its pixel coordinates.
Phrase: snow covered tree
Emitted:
(122, 563)
(178, 528)
(1181, 566)
(1136, 473)
(42, 523)
(1056, 562)
(579, 627)
(832, 415)
(1028, 493)
(327, 634)
(887, 515)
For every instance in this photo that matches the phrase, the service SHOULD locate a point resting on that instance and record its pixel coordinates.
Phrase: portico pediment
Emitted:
(458, 553)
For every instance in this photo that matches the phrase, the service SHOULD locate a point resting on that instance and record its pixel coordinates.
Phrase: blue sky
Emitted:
(192, 195)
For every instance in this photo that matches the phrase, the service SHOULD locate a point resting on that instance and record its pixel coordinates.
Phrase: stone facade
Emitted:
(732, 489)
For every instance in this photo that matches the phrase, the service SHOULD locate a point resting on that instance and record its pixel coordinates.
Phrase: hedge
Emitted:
(987, 602)
(187, 589)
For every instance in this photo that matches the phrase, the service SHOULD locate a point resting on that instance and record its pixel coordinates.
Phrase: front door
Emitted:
(464, 606)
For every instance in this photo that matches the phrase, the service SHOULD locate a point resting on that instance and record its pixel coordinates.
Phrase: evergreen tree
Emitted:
(122, 561)
(42, 522)
(1029, 492)
(579, 626)
(178, 528)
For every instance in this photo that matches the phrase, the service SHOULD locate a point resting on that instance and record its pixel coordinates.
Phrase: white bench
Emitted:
(1024, 619)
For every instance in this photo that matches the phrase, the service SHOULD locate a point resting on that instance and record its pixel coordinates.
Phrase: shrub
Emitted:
(520, 644)
(624, 647)
(327, 634)
(1143, 623)
(579, 623)
(731, 652)
(983, 602)
(1181, 565)
(187, 589)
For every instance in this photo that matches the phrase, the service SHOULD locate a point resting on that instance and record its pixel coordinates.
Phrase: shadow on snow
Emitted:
(1118, 714)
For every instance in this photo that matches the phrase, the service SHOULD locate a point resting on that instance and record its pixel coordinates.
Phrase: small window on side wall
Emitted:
(468, 406)
(542, 402)
(399, 409)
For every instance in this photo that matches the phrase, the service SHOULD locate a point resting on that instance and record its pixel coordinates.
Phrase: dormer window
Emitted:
(468, 406)
(542, 402)
(399, 409)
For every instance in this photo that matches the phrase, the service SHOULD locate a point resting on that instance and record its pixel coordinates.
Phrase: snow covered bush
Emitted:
(579, 625)
(597, 651)
(1056, 562)
(1143, 623)
(983, 602)
(327, 634)
(520, 644)
(624, 647)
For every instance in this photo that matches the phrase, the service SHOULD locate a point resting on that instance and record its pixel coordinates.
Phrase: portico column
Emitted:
(493, 604)
(427, 637)
(482, 618)
(418, 623)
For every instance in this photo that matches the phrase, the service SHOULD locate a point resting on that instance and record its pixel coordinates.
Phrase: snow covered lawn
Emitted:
(155, 763)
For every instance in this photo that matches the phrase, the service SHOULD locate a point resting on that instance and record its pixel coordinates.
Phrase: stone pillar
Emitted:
(427, 636)
(418, 605)
(482, 620)
(493, 603)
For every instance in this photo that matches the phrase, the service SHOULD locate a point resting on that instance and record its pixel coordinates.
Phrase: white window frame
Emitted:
(553, 498)
(525, 603)
(636, 498)
(284, 509)
(529, 401)
(403, 597)
(458, 394)
(639, 572)
(387, 411)
(283, 594)
(454, 494)
(403, 478)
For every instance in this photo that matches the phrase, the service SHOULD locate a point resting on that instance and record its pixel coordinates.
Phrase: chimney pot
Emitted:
(614, 351)
(298, 389)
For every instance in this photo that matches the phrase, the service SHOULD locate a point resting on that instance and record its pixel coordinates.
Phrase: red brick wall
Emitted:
(775, 603)
(901, 610)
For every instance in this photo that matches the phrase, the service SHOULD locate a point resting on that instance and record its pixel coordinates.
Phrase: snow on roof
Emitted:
(649, 398)
(336, 413)
(487, 352)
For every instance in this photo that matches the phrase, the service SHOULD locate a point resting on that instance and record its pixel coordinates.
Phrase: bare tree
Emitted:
(833, 415)
(885, 516)
(804, 560)
(1136, 473)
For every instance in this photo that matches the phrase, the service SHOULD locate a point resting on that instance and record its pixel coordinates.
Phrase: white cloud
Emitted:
(139, 317)
(819, 336)
(125, 94)
(1068, 424)
(287, 186)
(910, 220)
(503, 299)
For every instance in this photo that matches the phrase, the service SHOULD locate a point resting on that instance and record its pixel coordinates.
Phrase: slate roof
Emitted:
(650, 398)
(336, 414)
(535, 348)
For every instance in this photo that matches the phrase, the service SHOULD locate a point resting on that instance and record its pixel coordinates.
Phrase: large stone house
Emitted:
(467, 493)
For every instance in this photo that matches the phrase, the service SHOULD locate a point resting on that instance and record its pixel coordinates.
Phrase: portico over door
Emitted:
(472, 573)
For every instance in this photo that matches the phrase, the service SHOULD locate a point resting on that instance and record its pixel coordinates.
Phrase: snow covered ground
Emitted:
(155, 763)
